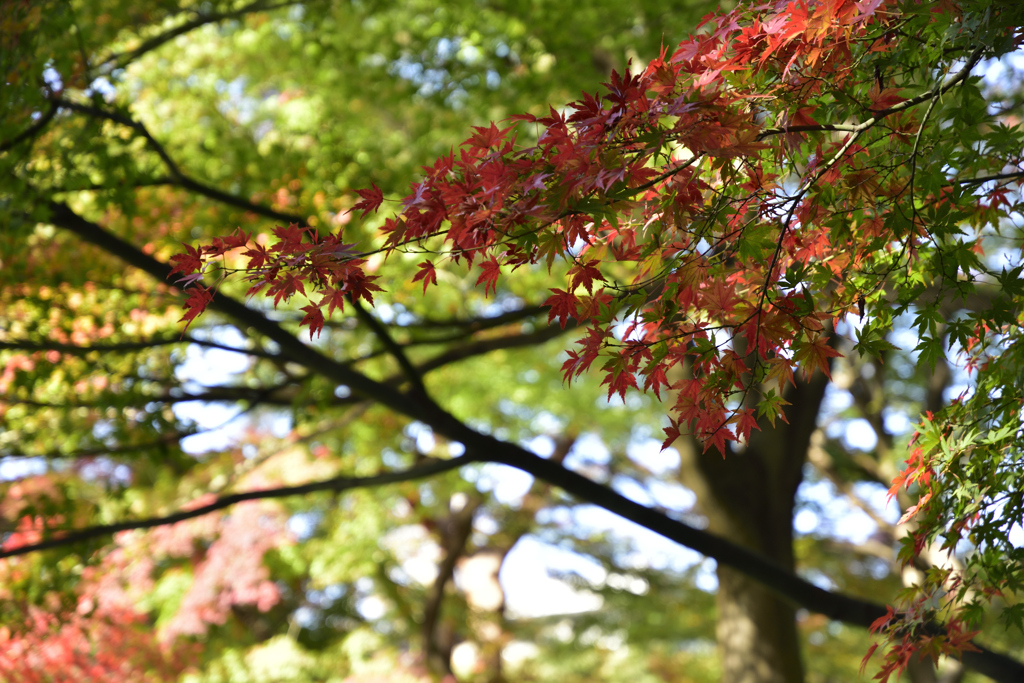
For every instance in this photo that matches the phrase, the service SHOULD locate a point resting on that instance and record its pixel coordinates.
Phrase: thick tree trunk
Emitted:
(748, 498)
(756, 633)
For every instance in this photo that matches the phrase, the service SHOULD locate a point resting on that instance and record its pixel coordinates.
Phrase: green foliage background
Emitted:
(292, 107)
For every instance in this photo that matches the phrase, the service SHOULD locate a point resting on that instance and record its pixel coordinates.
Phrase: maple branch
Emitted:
(272, 395)
(126, 121)
(957, 78)
(485, 448)
(471, 349)
(76, 350)
(819, 128)
(877, 116)
(914, 151)
(165, 440)
(228, 393)
(32, 130)
(214, 394)
(119, 60)
(479, 323)
(148, 182)
(335, 484)
(512, 341)
(213, 193)
(1015, 175)
(178, 178)
(466, 327)
(290, 347)
(394, 349)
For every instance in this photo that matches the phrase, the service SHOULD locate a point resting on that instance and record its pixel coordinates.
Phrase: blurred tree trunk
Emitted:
(748, 497)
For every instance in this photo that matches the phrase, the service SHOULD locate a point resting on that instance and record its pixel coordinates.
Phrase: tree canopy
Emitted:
(780, 256)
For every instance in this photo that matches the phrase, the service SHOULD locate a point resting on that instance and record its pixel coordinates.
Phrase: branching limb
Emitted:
(119, 60)
(396, 351)
(177, 176)
(164, 440)
(335, 484)
(857, 129)
(481, 323)
(126, 347)
(482, 346)
(32, 130)
(291, 348)
(485, 448)
(216, 394)
(1015, 175)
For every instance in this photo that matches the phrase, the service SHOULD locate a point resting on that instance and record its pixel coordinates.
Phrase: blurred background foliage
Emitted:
(168, 122)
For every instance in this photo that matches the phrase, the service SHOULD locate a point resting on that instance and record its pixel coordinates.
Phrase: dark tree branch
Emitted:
(126, 121)
(164, 440)
(484, 448)
(215, 394)
(475, 348)
(187, 183)
(291, 348)
(119, 60)
(396, 351)
(335, 484)
(482, 346)
(877, 116)
(178, 178)
(139, 183)
(126, 347)
(1015, 175)
(467, 325)
(478, 324)
(32, 130)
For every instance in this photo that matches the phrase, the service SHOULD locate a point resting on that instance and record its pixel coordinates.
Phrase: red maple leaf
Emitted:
(563, 306)
(745, 423)
(198, 299)
(717, 438)
(655, 379)
(360, 286)
(814, 356)
(583, 275)
(864, 662)
(671, 434)
(575, 230)
(427, 274)
(578, 363)
(575, 365)
(284, 288)
(257, 255)
(489, 276)
(485, 138)
(221, 245)
(291, 240)
(314, 318)
(335, 299)
(618, 380)
(885, 98)
(803, 117)
(187, 263)
(882, 621)
(371, 200)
